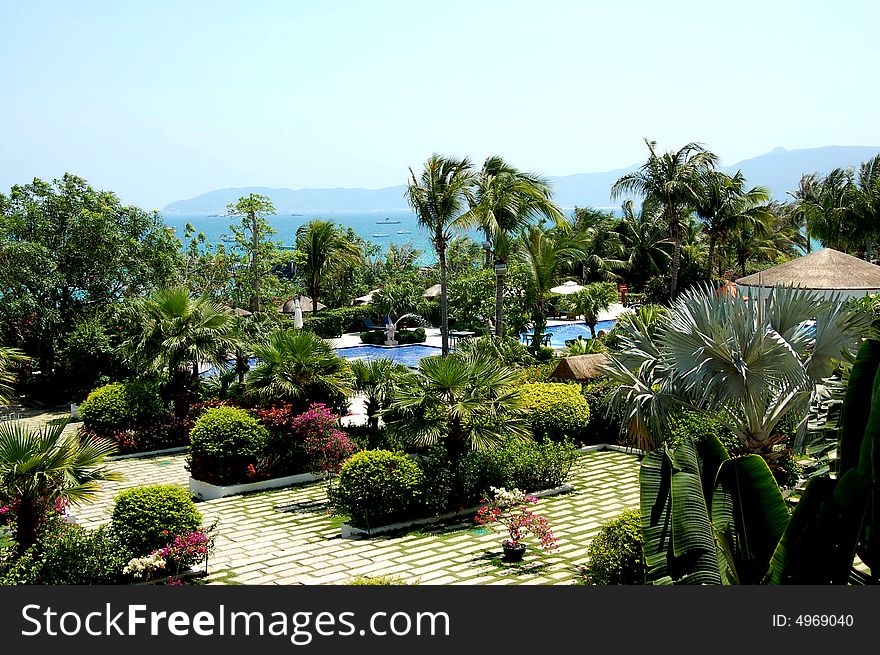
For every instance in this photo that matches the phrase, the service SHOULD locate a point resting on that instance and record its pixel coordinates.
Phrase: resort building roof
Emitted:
(580, 367)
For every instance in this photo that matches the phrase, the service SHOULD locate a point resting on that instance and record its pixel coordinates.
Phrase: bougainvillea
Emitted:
(511, 509)
(326, 446)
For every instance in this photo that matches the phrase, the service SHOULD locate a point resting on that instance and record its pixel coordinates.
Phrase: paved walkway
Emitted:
(288, 536)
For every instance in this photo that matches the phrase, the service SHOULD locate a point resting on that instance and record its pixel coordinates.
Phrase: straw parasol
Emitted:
(289, 307)
(567, 288)
(432, 292)
(581, 368)
(366, 298)
(236, 311)
(829, 272)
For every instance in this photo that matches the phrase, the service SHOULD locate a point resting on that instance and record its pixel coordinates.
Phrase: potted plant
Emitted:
(511, 510)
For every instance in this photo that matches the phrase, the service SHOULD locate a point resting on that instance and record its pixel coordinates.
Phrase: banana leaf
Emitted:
(819, 544)
(749, 517)
(869, 467)
(856, 408)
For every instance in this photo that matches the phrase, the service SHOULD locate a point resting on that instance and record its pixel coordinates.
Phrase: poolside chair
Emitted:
(368, 323)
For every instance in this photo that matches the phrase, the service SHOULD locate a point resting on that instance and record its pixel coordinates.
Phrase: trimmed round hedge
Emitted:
(557, 410)
(224, 442)
(615, 555)
(122, 406)
(377, 487)
(147, 518)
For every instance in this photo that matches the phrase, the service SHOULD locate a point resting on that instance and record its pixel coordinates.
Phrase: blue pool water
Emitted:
(407, 355)
(561, 333)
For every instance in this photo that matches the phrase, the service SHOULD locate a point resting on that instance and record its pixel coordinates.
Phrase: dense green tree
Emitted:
(67, 251)
(321, 252)
(259, 254)
(671, 180)
(10, 358)
(439, 196)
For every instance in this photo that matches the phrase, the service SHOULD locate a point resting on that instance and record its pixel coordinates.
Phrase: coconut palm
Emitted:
(644, 240)
(752, 362)
(504, 201)
(300, 367)
(594, 233)
(672, 181)
(377, 379)
(439, 197)
(467, 400)
(866, 201)
(40, 469)
(544, 253)
(9, 359)
(592, 301)
(174, 333)
(322, 251)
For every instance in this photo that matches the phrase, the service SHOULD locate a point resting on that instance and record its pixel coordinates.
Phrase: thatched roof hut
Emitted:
(581, 368)
(827, 271)
(432, 292)
(305, 302)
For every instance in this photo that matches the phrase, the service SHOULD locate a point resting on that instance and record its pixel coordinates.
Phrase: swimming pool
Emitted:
(561, 333)
(408, 355)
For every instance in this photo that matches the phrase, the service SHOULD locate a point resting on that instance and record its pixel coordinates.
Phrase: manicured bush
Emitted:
(615, 554)
(75, 555)
(533, 466)
(331, 323)
(700, 425)
(227, 446)
(605, 421)
(122, 406)
(557, 411)
(377, 487)
(147, 518)
(377, 337)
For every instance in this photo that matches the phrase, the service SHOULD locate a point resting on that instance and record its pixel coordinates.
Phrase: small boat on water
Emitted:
(380, 234)
(404, 231)
(387, 221)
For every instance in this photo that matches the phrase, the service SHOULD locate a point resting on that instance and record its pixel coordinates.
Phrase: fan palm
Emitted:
(752, 362)
(175, 333)
(41, 468)
(672, 181)
(377, 379)
(322, 251)
(504, 201)
(299, 367)
(9, 359)
(438, 198)
(467, 400)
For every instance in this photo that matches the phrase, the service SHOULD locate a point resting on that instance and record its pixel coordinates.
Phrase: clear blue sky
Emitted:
(160, 101)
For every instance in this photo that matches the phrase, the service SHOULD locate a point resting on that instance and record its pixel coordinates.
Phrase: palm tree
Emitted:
(438, 197)
(828, 211)
(175, 333)
(378, 379)
(40, 468)
(752, 362)
(544, 253)
(9, 359)
(592, 301)
(298, 366)
(645, 241)
(467, 400)
(866, 201)
(504, 201)
(323, 251)
(671, 180)
(725, 205)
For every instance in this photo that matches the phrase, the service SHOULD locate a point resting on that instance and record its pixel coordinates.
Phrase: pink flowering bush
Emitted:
(186, 549)
(325, 445)
(511, 510)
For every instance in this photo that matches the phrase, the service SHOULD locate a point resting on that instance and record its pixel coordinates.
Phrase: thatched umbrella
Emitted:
(581, 368)
(289, 307)
(829, 272)
(236, 311)
(366, 298)
(432, 292)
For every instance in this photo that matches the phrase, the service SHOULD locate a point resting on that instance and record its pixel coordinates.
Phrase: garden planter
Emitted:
(207, 491)
(513, 552)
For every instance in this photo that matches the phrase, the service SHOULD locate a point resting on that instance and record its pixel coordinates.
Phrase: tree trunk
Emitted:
(499, 304)
(444, 318)
(675, 229)
(255, 244)
(27, 518)
(710, 259)
(539, 320)
(314, 302)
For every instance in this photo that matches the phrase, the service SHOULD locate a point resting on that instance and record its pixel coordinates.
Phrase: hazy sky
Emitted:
(160, 101)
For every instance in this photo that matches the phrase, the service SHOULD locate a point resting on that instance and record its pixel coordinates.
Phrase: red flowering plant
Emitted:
(185, 551)
(511, 510)
(325, 445)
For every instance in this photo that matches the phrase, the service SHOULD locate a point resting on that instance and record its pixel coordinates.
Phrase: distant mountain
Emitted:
(778, 170)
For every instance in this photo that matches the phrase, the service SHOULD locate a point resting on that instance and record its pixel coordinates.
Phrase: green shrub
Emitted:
(615, 555)
(147, 518)
(224, 443)
(377, 487)
(700, 425)
(606, 422)
(377, 337)
(533, 466)
(122, 406)
(556, 410)
(332, 323)
(378, 580)
(75, 555)
(18, 569)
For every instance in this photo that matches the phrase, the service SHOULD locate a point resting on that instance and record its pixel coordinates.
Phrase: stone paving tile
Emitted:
(287, 536)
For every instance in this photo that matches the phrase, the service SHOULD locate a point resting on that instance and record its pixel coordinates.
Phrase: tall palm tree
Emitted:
(752, 362)
(672, 180)
(645, 241)
(175, 333)
(299, 367)
(378, 379)
(726, 205)
(9, 359)
(544, 253)
(322, 252)
(438, 197)
(504, 201)
(39, 468)
(467, 400)
(866, 202)
(828, 211)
